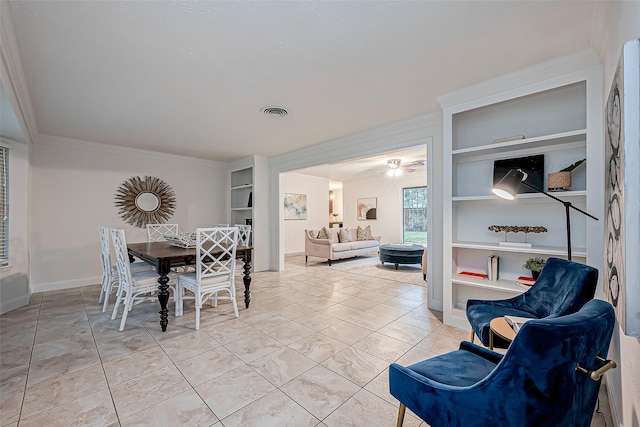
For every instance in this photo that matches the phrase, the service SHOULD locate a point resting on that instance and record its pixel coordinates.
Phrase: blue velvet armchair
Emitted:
(549, 376)
(562, 288)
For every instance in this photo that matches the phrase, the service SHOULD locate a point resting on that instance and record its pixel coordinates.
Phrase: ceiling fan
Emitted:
(396, 167)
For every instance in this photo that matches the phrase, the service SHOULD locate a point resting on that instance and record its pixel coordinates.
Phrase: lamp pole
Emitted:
(567, 206)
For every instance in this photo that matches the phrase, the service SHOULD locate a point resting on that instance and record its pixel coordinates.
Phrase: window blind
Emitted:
(4, 203)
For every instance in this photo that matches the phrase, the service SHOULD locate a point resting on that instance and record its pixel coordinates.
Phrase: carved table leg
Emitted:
(163, 295)
(246, 278)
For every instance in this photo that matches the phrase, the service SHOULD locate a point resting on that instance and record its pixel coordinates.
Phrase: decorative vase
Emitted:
(535, 275)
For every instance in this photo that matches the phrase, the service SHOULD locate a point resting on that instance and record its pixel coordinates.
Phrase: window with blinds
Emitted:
(4, 203)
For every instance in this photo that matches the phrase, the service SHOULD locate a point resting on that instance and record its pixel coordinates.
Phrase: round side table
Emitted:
(500, 327)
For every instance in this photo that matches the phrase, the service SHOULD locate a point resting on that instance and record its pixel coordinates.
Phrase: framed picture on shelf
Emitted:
(532, 165)
(295, 206)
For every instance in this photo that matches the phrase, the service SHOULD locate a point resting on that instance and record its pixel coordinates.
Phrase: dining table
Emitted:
(164, 256)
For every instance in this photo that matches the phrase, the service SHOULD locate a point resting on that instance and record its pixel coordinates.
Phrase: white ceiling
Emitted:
(191, 78)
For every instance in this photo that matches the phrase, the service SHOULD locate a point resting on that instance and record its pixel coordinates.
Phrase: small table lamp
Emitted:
(507, 188)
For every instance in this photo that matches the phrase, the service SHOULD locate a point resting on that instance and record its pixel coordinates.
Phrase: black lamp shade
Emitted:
(507, 187)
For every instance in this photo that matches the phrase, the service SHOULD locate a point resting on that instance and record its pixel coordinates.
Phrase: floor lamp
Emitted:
(507, 188)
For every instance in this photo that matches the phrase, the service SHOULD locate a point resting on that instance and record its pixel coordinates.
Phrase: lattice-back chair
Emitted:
(156, 232)
(110, 272)
(215, 269)
(134, 287)
(244, 234)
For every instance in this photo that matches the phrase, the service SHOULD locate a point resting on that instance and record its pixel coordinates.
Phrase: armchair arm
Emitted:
(487, 354)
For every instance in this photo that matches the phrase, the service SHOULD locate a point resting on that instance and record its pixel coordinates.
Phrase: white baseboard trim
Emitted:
(66, 284)
(613, 405)
(436, 304)
(12, 304)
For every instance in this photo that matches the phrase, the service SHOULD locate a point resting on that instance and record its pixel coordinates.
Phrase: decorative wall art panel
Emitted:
(295, 206)
(367, 208)
(622, 190)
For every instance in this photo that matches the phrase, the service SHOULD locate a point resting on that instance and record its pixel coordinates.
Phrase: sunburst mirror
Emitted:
(145, 200)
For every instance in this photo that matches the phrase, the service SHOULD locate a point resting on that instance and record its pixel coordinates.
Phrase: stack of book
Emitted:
(526, 281)
(472, 274)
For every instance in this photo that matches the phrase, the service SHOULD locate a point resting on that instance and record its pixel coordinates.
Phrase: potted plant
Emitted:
(534, 265)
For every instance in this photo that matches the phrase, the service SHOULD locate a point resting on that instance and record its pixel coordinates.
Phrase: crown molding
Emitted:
(67, 143)
(552, 69)
(13, 77)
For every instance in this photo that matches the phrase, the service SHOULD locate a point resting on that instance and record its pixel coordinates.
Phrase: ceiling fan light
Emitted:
(393, 163)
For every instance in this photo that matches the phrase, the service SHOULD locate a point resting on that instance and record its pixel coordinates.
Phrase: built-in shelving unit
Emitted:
(561, 119)
(242, 196)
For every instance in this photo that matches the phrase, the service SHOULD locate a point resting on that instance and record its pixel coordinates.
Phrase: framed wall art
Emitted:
(367, 208)
(295, 206)
(622, 186)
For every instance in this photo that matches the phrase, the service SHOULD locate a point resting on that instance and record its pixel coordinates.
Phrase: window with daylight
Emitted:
(414, 214)
(4, 204)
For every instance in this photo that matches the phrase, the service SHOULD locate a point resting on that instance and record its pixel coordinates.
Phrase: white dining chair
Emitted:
(134, 287)
(244, 234)
(215, 269)
(156, 232)
(110, 272)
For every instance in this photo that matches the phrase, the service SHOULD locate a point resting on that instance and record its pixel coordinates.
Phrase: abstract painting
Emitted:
(367, 208)
(622, 186)
(295, 206)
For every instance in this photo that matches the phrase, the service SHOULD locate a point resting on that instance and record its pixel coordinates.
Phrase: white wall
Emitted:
(317, 191)
(73, 185)
(14, 281)
(388, 191)
(621, 23)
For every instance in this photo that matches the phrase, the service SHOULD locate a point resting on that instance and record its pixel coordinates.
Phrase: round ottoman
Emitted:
(401, 254)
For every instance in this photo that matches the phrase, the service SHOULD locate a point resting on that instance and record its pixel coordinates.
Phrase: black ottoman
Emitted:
(401, 254)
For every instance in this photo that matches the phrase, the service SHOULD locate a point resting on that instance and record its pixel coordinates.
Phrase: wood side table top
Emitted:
(500, 327)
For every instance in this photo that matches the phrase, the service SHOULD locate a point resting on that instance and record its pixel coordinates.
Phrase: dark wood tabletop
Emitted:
(165, 256)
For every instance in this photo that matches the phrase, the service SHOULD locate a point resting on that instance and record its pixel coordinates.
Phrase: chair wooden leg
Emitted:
(473, 334)
(401, 411)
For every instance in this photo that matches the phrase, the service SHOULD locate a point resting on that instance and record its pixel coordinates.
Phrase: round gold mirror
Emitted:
(143, 201)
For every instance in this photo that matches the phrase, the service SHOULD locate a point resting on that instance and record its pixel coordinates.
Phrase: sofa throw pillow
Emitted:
(324, 233)
(345, 235)
(364, 234)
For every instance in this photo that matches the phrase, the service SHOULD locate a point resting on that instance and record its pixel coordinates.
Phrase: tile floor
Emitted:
(313, 350)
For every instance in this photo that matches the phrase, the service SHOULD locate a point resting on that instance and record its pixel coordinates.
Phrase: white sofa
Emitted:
(332, 249)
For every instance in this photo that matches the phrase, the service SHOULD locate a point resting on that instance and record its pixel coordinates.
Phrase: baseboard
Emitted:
(436, 304)
(613, 405)
(12, 304)
(66, 284)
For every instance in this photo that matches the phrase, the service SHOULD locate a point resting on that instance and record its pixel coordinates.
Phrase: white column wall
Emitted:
(14, 280)
(623, 383)
(73, 188)
(317, 191)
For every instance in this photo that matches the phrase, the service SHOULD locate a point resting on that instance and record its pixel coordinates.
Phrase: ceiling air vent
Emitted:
(274, 111)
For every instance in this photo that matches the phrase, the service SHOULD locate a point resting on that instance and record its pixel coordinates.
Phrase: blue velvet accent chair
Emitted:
(536, 382)
(562, 288)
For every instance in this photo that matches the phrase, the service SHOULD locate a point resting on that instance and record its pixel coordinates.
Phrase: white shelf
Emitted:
(242, 187)
(538, 250)
(523, 196)
(497, 285)
(539, 143)
(241, 209)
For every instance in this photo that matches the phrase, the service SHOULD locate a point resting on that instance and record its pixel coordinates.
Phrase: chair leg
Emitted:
(117, 304)
(128, 305)
(401, 411)
(198, 305)
(473, 334)
(306, 258)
